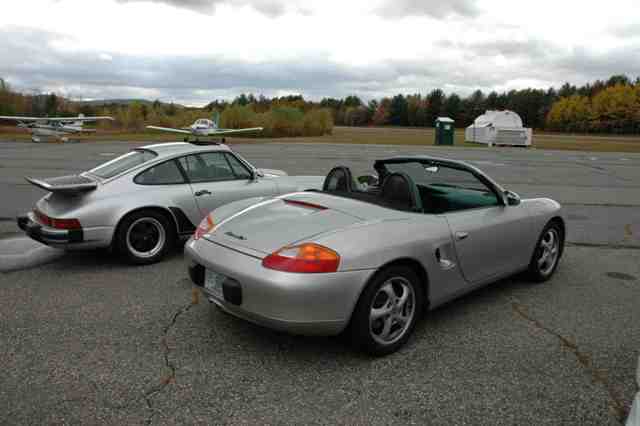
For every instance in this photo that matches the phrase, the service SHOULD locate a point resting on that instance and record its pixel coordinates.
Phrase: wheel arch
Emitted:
(409, 262)
(563, 228)
(418, 268)
(560, 221)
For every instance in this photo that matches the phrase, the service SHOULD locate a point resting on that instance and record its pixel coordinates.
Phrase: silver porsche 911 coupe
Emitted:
(144, 201)
(367, 256)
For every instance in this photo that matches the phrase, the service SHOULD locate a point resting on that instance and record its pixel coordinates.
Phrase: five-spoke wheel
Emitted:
(387, 310)
(547, 253)
(392, 311)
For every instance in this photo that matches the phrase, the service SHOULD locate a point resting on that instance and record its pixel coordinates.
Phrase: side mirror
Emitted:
(368, 180)
(513, 199)
(257, 174)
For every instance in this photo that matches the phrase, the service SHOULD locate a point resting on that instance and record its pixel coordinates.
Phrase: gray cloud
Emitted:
(390, 8)
(30, 62)
(268, 7)
(436, 9)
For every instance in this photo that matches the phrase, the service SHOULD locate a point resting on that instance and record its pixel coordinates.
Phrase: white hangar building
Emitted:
(499, 128)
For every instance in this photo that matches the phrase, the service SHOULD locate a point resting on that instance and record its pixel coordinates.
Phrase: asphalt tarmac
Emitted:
(86, 338)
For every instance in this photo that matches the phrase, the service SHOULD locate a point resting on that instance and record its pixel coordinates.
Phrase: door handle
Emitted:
(461, 235)
(202, 192)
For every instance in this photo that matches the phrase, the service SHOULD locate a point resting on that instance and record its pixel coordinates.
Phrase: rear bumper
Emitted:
(308, 304)
(75, 239)
(47, 235)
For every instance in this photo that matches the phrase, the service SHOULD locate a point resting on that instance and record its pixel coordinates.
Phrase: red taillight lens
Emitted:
(306, 258)
(205, 226)
(57, 223)
(66, 223)
(42, 218)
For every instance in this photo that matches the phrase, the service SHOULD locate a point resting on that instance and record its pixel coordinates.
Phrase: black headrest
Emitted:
(399, 190)
(339, 179)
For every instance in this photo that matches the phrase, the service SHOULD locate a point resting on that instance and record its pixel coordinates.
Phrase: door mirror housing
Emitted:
(513, 199)
(257, 174)
(368, 180)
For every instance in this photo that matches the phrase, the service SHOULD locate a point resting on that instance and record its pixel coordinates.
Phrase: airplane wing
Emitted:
(7, 117)
(168, 129)
(231, 131)
(80, 118)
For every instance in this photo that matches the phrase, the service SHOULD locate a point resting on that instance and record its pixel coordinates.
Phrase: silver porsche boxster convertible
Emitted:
(368, 256)
(144, 201)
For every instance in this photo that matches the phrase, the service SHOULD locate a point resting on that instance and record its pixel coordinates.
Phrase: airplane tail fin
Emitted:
(80, 122)
(216, 119)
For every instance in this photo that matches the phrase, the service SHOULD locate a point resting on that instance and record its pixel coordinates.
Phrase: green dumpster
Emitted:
(445, 131)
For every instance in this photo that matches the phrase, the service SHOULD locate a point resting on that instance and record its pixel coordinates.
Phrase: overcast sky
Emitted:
(194, 51)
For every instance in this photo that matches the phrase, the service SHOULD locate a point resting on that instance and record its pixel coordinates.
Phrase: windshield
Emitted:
(123, 163)
(438, 176)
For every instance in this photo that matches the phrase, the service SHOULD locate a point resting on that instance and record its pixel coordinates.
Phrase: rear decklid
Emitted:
(270, 225)
(72, 184)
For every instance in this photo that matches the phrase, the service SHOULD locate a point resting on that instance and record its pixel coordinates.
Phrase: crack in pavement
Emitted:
(616, 403)
(171, 377)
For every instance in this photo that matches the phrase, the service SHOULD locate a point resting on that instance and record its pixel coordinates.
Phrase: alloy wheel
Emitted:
(548, 250)
(392, 311)
(145, 237)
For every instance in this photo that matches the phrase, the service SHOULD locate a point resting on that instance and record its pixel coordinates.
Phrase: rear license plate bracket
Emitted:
(213, 282)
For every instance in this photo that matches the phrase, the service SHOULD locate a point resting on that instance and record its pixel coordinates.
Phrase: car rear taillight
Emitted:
(42, 218)
(57, 223)
(303, 258)
(66, 223)
(205, 226)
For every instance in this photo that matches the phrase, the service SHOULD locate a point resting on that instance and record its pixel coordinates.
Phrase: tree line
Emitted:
(286, 116)
(611, 106)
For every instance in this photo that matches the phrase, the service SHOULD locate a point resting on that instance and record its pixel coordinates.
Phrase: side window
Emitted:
(207, 167)
(239, 169)
(166, 173)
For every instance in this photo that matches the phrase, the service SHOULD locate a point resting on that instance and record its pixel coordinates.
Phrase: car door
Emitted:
(219, 178)
(489, 237)
(165, 185)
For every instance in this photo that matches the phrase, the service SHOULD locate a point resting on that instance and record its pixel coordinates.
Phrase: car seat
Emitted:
(400, 191)
(339, 179)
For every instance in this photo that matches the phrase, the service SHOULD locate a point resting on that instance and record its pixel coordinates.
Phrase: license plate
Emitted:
(213, 282)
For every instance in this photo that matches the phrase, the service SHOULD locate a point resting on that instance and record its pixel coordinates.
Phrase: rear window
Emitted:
(123, 163)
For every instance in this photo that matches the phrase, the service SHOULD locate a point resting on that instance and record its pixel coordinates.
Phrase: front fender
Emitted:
(541, 211)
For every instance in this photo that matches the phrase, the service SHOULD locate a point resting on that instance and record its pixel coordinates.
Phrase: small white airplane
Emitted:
(204, 127)
(57, 127)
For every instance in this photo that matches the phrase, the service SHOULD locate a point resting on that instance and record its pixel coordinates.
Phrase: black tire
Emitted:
(363, 331)
(131, 241)
(538, 272)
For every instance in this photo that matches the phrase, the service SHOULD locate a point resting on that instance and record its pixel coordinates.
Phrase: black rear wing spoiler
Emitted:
(64, 184)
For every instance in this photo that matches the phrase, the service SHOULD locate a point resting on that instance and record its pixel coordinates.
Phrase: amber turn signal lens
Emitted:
(303, 258)
(205, 226)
